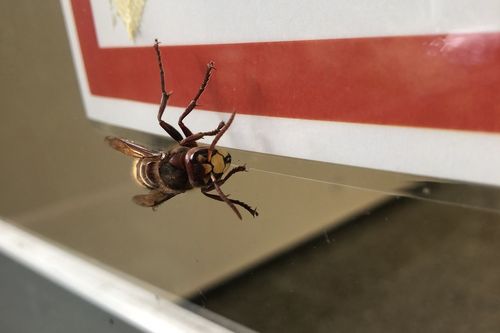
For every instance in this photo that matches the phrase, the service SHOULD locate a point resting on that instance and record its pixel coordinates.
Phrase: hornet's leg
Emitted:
(220, 182)
(187, 132)
(231, 202)
(236, 202)
(164, 98)
(190, 141)
(220, 134)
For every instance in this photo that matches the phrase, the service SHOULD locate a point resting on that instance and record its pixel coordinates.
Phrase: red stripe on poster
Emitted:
(435, 81)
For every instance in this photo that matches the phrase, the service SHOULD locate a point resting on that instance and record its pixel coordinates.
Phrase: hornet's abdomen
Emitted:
(168, 171)
(144, 172)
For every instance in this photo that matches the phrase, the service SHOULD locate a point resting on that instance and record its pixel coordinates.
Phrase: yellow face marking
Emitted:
(218, 164)
(200, 158)
(207, 167)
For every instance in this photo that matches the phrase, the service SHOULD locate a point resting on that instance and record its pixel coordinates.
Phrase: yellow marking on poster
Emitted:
(130, 12)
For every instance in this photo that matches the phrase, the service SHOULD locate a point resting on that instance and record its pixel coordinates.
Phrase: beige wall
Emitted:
(45, 138)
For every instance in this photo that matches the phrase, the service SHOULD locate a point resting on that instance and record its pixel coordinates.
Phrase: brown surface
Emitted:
(410, 266)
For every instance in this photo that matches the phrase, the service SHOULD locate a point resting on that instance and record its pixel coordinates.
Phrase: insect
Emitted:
(187, 165)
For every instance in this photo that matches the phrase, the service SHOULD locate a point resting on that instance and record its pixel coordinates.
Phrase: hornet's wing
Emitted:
(130, 148)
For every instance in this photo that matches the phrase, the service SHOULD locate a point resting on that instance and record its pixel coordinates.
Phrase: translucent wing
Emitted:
(130, 148)
(153, 198)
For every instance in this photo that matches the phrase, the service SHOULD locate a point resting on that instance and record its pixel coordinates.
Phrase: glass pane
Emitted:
(334, 248)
